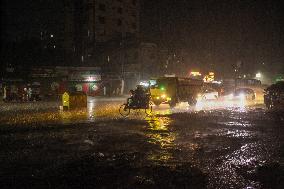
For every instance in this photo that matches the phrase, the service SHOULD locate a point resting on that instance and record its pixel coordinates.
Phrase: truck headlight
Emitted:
(242, 96)
(199, 96)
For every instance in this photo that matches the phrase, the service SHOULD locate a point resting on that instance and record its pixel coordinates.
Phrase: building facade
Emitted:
(115, 18)
(90, 24)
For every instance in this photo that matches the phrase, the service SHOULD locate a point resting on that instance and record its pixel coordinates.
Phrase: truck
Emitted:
(173, 90)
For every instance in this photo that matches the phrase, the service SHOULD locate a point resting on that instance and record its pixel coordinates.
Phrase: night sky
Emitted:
(27, 18)
(216, 32)
(220, 32)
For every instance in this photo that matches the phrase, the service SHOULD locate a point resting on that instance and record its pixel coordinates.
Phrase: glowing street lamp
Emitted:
(258, 75)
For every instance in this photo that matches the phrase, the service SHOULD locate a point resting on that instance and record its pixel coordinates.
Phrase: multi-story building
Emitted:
(75, 27)
(115, 18)
(32, 32)
(84, 33)
(91, 23)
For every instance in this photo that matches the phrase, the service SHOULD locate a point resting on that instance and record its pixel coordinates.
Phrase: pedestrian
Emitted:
(25, 94)
(29, 92)
(130, 101)
(14, 93)
(4, 93)
(104, 90)
(117, 91)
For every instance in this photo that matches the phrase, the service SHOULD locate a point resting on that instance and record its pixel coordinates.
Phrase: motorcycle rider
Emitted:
(130, 100)
(137, 97)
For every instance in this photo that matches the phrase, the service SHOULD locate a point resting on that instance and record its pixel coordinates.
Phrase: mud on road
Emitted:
(227, 148)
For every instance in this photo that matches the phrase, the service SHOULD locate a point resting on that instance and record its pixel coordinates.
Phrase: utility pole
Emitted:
(122, 59)
(122, 54)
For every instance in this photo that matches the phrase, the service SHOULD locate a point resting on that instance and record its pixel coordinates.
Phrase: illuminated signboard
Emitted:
(81, 76)
(210, 77)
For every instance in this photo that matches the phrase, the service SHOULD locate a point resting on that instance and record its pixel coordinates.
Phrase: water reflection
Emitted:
(221, 103)
(158, 133)
(103, 110)
(91, 106)
(162, 110)
(237, 123)
(247, 157)
(158, 124)
(93, 111)
(73, 115)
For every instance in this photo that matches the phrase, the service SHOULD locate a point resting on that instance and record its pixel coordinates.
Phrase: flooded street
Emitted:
(216, 144)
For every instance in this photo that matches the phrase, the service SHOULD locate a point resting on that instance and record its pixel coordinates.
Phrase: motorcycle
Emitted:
(136, 104)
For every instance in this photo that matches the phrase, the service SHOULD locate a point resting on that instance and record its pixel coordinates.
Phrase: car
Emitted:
(208, 94)
(244, 93)
(274, 95)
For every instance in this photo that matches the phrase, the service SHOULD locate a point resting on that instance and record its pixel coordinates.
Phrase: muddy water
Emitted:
(229, 144)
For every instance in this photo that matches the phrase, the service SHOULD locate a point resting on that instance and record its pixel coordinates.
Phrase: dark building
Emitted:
(67, 32)
(32, 32)
(93, 25)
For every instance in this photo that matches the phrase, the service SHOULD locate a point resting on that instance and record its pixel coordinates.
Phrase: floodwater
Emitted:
(217, 144)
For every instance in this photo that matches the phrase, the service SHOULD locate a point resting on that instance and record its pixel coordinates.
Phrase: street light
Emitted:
(258, 75)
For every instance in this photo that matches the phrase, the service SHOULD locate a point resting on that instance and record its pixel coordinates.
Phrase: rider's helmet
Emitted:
(131, 92)
(139, 89)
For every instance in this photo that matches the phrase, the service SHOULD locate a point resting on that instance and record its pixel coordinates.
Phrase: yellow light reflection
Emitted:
(44, 117)
(159, 134)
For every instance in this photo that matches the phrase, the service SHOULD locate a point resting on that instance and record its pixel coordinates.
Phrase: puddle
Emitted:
(158, 133)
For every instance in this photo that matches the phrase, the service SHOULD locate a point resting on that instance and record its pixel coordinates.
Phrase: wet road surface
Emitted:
(217, 144)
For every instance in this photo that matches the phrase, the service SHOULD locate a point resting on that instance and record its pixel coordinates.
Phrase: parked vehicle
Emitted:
(173, 90)
(274, 95)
